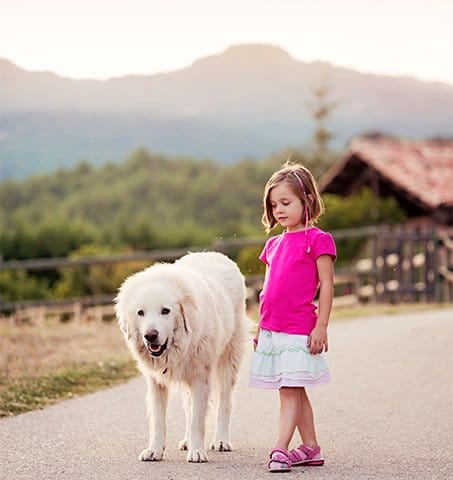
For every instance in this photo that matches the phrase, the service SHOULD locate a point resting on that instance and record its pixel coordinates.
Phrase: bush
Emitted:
(17, 285)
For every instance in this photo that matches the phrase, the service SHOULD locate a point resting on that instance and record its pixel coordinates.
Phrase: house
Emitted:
(419, 174)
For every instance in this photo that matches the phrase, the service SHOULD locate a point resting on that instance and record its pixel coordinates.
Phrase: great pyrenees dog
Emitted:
(185, 324)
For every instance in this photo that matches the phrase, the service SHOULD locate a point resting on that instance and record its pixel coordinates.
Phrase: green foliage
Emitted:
(148, 202)
(93, 279)
(358, 210)
(249, 262)
(53, 237)
(16, 285)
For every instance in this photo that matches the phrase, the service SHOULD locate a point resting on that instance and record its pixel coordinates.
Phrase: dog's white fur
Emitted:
(185, 323)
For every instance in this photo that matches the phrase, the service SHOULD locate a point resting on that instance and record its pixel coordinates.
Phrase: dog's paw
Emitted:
(151, 455)
(197, 456)
(221, 446)
(183, 444)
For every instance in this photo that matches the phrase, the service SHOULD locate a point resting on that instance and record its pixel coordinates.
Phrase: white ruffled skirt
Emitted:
(284, 360)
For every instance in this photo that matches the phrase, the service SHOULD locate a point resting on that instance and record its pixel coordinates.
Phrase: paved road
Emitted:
(388, 414)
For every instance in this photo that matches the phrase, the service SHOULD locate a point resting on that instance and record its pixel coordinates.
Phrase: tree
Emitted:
(320, 109)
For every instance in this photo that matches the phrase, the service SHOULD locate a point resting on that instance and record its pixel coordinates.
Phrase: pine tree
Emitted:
(320, 109)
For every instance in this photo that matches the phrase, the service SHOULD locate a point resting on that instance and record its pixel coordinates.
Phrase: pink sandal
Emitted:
(303, 455)
(279, 461)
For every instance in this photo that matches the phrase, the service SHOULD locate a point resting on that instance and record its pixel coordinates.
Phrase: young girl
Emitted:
(291, 334)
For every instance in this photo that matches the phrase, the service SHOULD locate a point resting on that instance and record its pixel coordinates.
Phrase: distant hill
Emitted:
(248, 101)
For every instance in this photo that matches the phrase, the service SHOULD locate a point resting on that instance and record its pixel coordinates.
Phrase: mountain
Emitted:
(247, 101)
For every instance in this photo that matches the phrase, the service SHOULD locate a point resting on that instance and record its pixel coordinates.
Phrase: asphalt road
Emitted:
(388, 414)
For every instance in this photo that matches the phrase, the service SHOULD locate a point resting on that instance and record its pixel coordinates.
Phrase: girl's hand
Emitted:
(255, 343)
(317, 340)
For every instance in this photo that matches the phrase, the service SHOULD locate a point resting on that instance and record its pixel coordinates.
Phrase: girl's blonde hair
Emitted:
(293, 174)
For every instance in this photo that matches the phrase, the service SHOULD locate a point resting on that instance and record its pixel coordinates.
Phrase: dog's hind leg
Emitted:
(156, 403)
(226, 377)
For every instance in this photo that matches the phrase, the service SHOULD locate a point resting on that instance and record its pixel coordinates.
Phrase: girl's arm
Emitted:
(255, 339)
(317, 341)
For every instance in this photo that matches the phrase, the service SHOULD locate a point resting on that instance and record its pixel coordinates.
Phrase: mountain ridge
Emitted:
(249, 100)
(231, 51)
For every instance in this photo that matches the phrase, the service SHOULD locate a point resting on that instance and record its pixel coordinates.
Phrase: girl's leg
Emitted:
(305, 419)
(289, 406)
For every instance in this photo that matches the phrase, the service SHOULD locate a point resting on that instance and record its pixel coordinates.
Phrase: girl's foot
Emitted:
(279, 461)
(303, 455)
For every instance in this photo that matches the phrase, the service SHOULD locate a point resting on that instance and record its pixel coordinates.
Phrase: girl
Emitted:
(291, 334)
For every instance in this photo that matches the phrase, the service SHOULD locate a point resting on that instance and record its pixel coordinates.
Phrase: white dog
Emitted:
(185, 323)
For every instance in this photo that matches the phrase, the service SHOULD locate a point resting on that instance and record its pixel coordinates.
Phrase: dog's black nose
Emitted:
(151, 336)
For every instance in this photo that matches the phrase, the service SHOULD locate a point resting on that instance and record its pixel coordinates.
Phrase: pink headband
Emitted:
(301, 184)
(306, 208)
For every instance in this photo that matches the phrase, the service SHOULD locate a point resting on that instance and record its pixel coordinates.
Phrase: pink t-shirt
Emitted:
(292, 280)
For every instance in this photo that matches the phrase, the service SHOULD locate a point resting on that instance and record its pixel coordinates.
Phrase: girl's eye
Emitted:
(165, 311)
(285, 203)
(141, 313)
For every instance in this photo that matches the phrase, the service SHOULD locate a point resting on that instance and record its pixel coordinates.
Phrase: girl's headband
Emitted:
(301, 184)
(306, 209)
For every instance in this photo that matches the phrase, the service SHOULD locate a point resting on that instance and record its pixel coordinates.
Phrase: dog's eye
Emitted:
(165, 311)
(141, 313)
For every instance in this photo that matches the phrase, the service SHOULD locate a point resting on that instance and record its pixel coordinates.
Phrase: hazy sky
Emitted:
(109, 38)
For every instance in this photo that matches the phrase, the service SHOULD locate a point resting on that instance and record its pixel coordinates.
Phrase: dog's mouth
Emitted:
(156, 349)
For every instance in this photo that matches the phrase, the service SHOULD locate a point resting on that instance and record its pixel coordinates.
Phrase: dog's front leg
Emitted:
(156, 403)
(199, 390)
(184, 444)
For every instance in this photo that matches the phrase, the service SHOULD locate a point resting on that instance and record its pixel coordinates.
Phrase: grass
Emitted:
(40, 365)
(27, 394)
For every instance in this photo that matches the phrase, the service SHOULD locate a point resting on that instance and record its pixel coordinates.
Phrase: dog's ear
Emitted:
(121, 316)
(189, 312)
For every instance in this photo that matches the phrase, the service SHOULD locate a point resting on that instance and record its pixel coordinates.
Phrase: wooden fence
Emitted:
(394, 265)
(406, 265)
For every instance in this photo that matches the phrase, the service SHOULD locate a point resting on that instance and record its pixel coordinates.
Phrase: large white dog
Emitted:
(185, 323)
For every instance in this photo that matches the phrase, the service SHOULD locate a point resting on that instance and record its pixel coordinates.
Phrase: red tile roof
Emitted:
(422, 168)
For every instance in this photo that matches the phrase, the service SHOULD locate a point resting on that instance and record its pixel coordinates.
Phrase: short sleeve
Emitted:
(324, 244)
(266, 254)
(263, 255)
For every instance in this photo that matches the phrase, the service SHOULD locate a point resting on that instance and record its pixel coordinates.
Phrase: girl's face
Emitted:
(287, 207)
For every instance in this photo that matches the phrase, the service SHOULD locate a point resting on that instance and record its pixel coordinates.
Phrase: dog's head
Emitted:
(153, 312)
